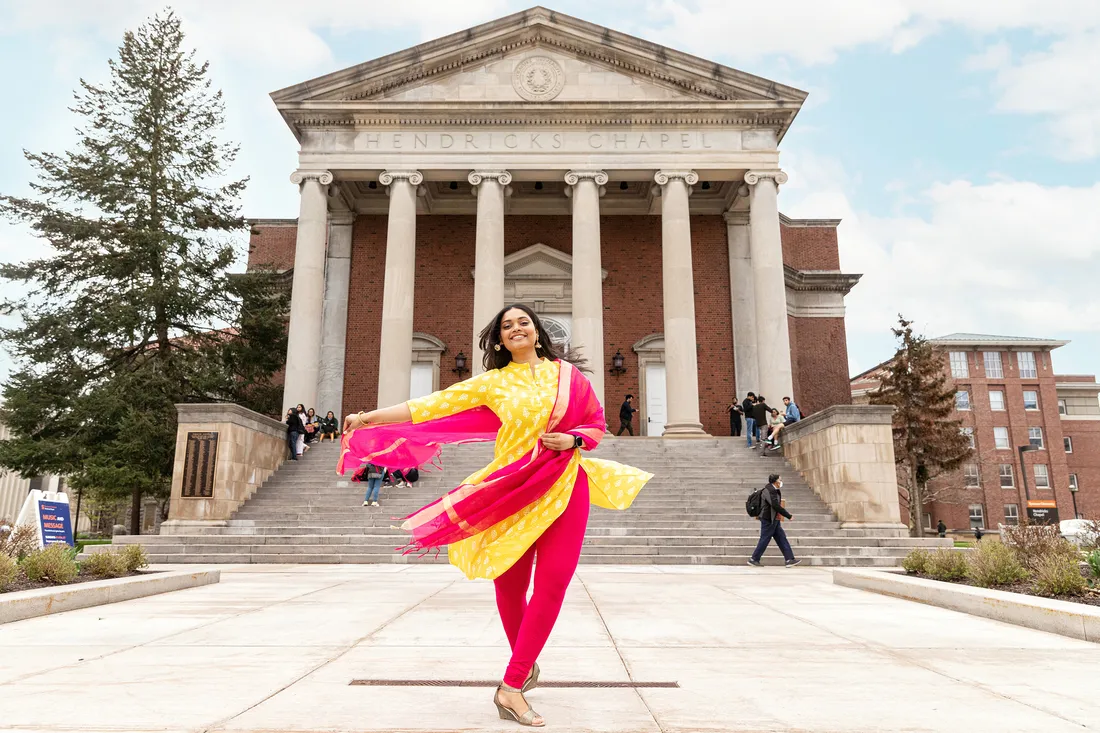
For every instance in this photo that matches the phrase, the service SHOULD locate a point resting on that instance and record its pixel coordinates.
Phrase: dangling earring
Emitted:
(496, 347)
(538, 344)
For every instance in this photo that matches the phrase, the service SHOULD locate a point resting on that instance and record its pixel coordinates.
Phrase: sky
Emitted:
(958, 142)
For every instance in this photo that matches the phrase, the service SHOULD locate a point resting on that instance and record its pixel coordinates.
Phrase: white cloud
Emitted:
(1005, 257)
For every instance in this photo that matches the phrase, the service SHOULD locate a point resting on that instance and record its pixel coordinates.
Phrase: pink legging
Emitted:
(528, 625)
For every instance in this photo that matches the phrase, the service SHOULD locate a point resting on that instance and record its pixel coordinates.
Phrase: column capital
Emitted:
(753, 177)
(574, 177)
(300, 176)
(736, 217)
(388, 177)
(662, 177)
(477, 176)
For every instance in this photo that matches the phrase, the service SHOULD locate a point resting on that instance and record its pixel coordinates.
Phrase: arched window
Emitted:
(559, 332)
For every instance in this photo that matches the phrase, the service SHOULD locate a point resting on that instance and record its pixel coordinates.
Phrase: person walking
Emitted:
(735, 419)
(626, 416)
(771, 526)
(375, 476)
(941, 528)
(293, 428)
(747, 406)
(529, 507)
(760, 414)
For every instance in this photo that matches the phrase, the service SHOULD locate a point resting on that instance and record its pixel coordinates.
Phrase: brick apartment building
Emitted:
(1007, 396)
(625, 191)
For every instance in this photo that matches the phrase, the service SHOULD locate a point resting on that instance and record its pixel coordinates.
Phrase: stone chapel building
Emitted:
(626, 191)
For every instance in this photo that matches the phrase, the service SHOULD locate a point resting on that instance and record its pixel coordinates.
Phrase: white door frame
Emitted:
(650, 350)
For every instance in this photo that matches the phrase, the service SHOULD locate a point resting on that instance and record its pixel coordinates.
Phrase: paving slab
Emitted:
(275, 648)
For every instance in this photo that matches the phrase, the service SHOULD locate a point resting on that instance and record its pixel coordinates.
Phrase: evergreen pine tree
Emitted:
(927, 442)
(133, 310)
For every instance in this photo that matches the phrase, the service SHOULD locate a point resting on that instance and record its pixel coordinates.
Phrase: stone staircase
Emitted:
(691, 513)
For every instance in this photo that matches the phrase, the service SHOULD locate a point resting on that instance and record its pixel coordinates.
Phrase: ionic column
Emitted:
(490, 187)
(334, 323)
(773, 341)
(681, 363)
(585, 188)
(395, 357)
(303, 350)
(743, 303)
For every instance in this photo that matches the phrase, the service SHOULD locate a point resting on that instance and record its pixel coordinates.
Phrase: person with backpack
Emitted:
(375, 475)
(766, 504)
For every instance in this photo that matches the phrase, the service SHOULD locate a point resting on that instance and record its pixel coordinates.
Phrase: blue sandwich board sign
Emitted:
(54, 522)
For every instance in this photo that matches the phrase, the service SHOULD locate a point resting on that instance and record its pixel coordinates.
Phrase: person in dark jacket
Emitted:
(293, 428)
(770, 524)
(735, 419)
(760, 413)
(750, 422)
(941, 528)
(626, 416)
(330, 427)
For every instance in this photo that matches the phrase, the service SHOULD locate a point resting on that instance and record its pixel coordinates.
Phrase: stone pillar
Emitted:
(773, 341)
(334, 324)
(681, 362)
(395, 359)
(585, 188)
(490, 187)
(303, 352)
(743, 303)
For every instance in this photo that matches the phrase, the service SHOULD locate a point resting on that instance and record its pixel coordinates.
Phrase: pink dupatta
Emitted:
(473, 508)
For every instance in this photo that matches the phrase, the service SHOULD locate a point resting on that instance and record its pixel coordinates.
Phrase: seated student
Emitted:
(330, 427)
(775, 424)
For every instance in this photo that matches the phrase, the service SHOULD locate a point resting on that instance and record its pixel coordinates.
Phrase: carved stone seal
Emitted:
(538, 79)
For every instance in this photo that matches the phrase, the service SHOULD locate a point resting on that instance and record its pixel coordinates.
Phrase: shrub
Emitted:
(1033, 542)
(991, 564)
(8, 570)
(20, 542)
(1091, 535)
(1059, 574)
(135, 556)
(945, 564)
(916, 561)
(1093, 560)
(105, 564)
(54, 563)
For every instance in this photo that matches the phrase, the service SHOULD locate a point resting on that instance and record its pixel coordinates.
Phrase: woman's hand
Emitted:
(352, 421)
(558, 441)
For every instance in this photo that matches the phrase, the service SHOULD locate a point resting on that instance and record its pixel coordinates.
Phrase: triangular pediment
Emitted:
(539, 262)
(537, 56)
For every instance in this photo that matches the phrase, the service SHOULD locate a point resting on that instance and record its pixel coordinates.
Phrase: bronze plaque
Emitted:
(198, 465)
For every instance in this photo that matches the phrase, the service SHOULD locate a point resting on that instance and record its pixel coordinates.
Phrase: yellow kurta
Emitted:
(522, 399)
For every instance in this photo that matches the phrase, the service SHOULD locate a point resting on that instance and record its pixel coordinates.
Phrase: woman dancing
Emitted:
(531, 501)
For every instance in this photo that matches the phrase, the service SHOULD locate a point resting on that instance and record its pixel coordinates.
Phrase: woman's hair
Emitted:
(492, 358)
(775, 411)
(300, 406)
(311, 410)
(290, 410)
(330, 412)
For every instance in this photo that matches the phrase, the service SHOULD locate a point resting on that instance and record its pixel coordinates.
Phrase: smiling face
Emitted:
(517, 332)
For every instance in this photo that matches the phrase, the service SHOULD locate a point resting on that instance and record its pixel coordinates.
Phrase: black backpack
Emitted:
(755, 503)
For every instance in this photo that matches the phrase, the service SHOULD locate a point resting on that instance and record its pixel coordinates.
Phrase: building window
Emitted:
(1067, 443)
(1035, 437)
(1000, 438)
(996, 399)
(969, 433)
(1073, 482)
(959, 367)
(993, 368)
(1012, 515)
(977, 516)
(970, 476)
(1061, 407)
(962, 400)
(1026, 361)
(557, 330)
(1031, 400)
(1006, 476)
(1042, 476)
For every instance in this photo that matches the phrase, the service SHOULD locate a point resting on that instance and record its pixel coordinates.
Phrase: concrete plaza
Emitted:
(275, 648)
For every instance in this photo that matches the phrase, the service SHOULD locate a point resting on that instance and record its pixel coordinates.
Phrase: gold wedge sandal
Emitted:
(507, 713)
(532, 679)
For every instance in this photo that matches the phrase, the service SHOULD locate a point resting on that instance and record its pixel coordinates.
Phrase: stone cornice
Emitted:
(789, 222)
(819, 280)
(271, 222)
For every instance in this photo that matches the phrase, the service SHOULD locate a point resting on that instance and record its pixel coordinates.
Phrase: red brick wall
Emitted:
(1085, 462)
(272, 245)
(632, 296)
(810, 248)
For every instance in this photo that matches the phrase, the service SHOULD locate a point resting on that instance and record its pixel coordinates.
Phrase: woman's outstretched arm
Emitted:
(397, 413)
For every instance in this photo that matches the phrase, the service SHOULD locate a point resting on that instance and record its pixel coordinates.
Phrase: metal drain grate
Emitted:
(494, 683)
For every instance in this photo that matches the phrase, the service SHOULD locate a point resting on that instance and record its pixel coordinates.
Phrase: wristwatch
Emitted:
(578, 441)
